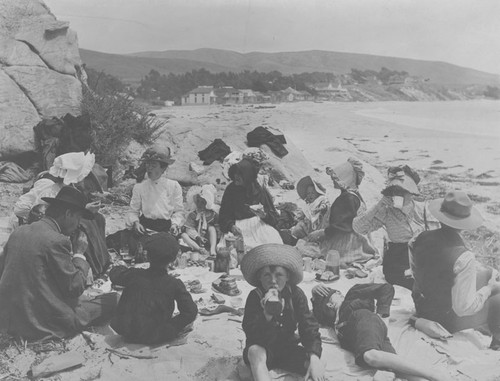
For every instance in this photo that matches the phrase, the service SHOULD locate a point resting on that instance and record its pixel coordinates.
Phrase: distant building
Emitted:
(230, 95)
(202, 95)
(291, 95)
(331, 92)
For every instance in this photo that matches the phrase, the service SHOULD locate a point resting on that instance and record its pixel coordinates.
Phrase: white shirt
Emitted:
(160, 199)
(465, 299)
(41, 188)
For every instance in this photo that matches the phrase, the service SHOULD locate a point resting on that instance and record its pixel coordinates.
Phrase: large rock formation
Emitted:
(187, 137)
(39, 66)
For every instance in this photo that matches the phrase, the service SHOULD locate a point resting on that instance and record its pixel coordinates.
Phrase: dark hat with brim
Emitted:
(272, 254)
(71, 198)
(456, 210)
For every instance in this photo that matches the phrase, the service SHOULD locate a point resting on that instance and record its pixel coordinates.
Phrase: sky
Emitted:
(461, 32)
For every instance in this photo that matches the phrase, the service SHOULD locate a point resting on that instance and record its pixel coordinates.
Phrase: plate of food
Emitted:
(327, 276)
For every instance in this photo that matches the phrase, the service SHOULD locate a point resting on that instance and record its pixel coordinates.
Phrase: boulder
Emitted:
(16, 53)
(52, 93)
(39, 66)
(187, 137)
(19, 115)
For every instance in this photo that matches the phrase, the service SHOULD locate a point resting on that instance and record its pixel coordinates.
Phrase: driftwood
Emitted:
(56, 364)
(127, 354)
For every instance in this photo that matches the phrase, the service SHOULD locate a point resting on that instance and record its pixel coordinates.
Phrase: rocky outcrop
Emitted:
(39, 68)
(187, 137)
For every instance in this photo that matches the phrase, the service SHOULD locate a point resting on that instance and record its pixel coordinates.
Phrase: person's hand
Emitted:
(263, 302)
(81, 243)
(495, 277)
(386, 202)
(316, 235)
(258, 210)
(139, 228)
(432, 329)
(299, 215)
(236, 231)
(494, 283)
(316, 370)
(321, 290)
(93, 206)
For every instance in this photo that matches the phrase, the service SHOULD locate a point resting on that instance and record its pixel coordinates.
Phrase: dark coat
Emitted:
(281, 330)
(343, 210)
(144, 313)
(40, 283)
(235, 206)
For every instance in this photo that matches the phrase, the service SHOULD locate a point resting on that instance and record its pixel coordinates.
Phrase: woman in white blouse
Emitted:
(156, 202)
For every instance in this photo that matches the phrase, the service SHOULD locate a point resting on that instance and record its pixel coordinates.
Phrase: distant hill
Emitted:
(133, 67)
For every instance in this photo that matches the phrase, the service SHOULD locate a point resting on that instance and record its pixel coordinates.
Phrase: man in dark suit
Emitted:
(43, 277)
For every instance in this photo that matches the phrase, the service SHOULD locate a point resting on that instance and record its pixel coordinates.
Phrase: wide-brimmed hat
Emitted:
(272, 254)
(72, 198)
(72, 167)
(304, 183)
(456, 210)
(158, 154)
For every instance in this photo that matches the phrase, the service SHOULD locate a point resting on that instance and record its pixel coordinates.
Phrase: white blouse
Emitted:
(160, 199)
(41, 188)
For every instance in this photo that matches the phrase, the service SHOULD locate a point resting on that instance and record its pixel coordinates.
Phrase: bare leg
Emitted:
(257, 357)
(193, 245)
(212, 238)
(404, 368)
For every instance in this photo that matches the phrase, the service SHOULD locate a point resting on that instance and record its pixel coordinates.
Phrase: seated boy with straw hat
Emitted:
(274, 310)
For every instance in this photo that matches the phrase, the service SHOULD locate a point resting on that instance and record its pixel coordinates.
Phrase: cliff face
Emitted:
(39, 70)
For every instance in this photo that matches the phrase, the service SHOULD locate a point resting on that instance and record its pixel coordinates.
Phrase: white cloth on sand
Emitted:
(256, 232)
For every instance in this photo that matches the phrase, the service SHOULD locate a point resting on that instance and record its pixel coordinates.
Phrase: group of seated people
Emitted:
(47, 263)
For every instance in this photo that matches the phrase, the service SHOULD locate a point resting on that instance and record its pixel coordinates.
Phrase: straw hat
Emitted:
(272, 254)
(304, 183)
(72, 198)
(456, 210)
(157, 154)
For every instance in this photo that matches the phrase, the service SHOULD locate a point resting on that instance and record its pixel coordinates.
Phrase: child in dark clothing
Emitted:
(273, 311)
(362, 331)
(144, 313)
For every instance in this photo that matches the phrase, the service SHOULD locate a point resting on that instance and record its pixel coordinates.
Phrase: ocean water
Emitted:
(477, 118)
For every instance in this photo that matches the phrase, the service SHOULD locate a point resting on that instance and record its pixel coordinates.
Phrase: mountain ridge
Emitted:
(134, 66)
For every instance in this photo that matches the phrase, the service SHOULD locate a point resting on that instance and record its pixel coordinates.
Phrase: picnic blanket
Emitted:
(212, 351)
